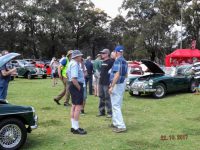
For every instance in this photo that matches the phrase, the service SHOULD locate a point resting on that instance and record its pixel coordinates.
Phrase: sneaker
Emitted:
(112, 126)
(67, 104)
(100, 115)
(109, 116)
(57, 102)
(82, 112)
(119, 130)
(79, 131)
(72, 129)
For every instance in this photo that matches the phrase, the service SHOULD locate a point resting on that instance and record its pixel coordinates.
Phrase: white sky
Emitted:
(109, 6)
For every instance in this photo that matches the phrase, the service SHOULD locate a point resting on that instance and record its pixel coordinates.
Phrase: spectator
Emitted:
(54, 71)
(89, 67)
(117, 88)
(62, 73)
(5, 74)
(76, 78)
(104, 97)
(196, 71)
(97, 67)
(84, 69)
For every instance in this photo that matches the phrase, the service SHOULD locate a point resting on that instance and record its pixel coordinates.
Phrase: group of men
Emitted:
(110, 74)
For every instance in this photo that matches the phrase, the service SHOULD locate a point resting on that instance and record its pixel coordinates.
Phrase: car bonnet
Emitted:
(154, 68)
(6, 58)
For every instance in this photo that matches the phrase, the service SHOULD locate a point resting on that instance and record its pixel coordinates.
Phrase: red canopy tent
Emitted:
(181, 55)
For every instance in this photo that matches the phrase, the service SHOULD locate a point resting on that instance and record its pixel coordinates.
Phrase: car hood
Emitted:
(6, 58)
(154, 68)
(13, 109)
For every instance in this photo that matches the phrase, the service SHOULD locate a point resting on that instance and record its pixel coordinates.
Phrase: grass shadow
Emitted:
(141, 145)
(191, 131)
(50, 123)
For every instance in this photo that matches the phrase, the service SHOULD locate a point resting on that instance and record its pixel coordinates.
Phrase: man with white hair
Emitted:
(117, 88)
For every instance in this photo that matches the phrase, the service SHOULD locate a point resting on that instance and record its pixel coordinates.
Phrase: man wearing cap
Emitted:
(104, 97)
(117, 88)
(76, 78)
(97, 67)
(62, 73)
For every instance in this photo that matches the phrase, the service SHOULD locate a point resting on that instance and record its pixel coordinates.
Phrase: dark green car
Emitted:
(160, 82)
(15, 121)
(28, 70)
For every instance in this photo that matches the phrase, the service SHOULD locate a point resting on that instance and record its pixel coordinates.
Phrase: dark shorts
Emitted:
(55, 75)
(76, 95)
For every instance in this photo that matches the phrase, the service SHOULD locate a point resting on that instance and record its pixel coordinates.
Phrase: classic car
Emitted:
(159, 83)
(15, 121)
(28, 70)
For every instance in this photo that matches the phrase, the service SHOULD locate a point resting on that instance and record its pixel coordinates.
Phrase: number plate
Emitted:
(135, 92)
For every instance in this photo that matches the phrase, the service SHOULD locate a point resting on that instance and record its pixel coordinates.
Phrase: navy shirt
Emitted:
(4, 80)
(89, 67)
(104, 72)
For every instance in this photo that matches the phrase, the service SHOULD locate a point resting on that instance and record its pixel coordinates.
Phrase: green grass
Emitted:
(146, 119)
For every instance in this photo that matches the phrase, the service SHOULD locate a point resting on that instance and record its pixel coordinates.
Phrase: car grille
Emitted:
(138, 86)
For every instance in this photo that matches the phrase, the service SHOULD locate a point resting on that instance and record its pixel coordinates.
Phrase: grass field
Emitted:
(147, 120)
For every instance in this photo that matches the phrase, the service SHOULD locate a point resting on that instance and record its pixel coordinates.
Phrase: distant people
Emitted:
(196, 72)
(54, 70)
(104, 97)
(97, 67)
(62, 73)
(84, 69)
(5, 74)
(117, 88)
(89, 67)
(76, 79)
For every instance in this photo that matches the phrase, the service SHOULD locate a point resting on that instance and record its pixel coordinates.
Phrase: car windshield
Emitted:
(39, 62)
(23, 62)
(169, 70)
(134, 70)
(182, 69)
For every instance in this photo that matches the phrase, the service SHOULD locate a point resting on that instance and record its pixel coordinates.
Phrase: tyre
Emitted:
(192, 87)
(131, 93)
(44, 76)
(160, 91)
(13, 134)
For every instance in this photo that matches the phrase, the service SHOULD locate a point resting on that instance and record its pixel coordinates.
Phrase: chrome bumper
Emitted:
(36, 123)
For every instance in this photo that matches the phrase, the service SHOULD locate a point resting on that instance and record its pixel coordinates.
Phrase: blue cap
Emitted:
(119, 48)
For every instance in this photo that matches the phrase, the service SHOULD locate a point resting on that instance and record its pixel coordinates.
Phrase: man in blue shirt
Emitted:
(117, 88)
(76, 79)
(5, 74)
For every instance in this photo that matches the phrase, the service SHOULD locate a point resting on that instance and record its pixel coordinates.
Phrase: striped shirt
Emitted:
(196, 68)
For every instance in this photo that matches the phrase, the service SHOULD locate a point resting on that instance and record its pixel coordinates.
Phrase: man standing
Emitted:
(62, 73)
(76, 78)
(104, 97)
(196, 71)
(117, 88)
(97, 67)
(5, 74)
(89, 67)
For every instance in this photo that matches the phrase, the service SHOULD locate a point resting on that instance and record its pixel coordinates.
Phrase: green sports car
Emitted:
(163, 81)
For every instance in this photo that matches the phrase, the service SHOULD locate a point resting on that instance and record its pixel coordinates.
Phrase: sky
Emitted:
(109, 6)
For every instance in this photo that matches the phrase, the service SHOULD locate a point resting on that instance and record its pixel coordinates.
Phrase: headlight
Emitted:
(33, 109)
(151, 82)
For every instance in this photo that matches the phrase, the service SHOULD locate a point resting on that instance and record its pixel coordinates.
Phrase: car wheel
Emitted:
(192, 87)
(160, 91)
(131, 93)
(13, 134)
(44, 76)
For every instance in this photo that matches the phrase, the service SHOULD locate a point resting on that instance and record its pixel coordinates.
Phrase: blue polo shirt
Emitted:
(74, 71)
(120, 65)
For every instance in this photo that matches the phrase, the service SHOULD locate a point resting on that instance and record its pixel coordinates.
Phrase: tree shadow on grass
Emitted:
(194, 119)
(50, 123)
